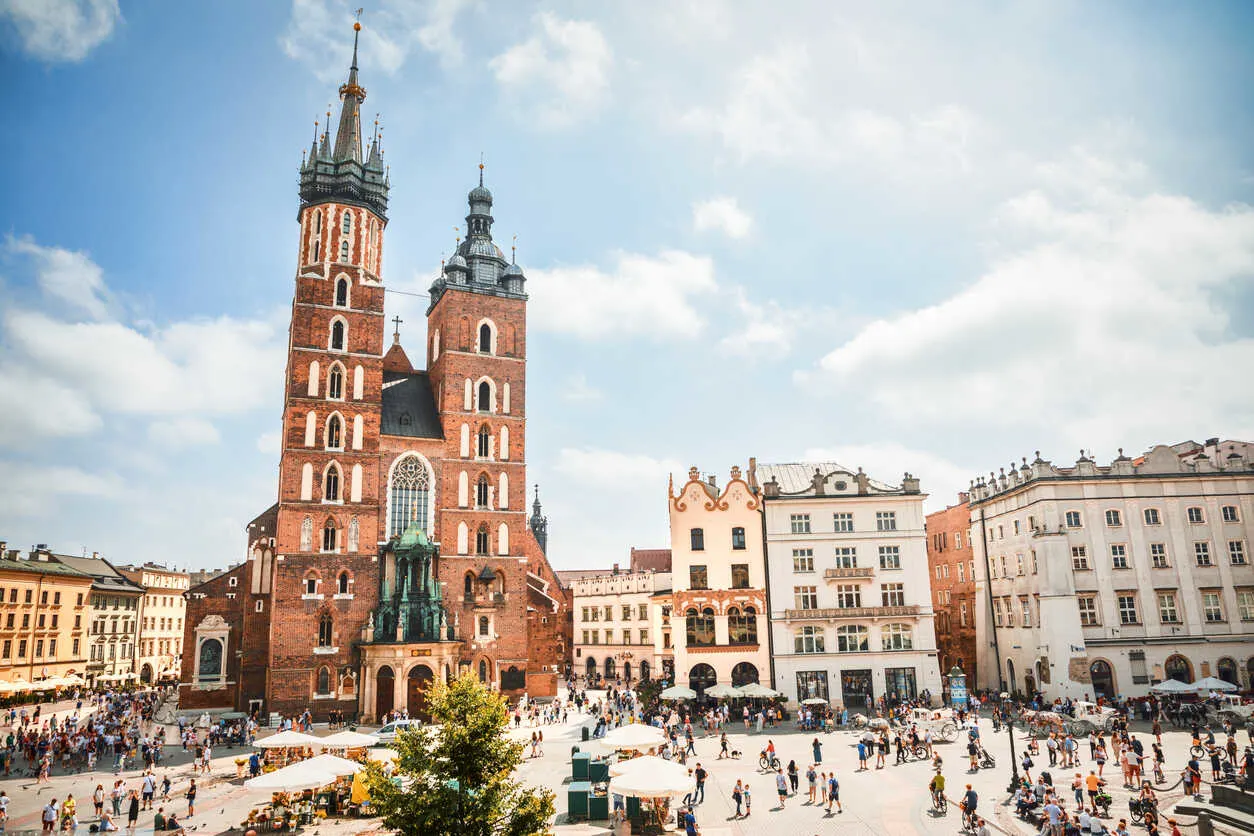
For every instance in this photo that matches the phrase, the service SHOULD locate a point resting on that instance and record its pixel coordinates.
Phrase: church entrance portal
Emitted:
(385, 690)
(420, 677)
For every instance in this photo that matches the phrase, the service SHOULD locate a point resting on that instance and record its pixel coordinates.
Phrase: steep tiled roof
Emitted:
(650, 560)
(409, 407)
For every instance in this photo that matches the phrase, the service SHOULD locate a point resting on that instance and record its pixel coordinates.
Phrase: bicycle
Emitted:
(968, 819)
(940, 806)
(770, 763)
(919, 751)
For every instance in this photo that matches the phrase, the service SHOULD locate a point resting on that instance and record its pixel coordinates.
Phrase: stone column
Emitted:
(365, 692)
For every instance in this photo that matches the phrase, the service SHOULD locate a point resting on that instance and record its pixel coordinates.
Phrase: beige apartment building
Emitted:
(43, 617)
(162, 608)
(618, 626)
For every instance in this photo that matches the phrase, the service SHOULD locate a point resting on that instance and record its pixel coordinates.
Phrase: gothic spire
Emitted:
(352, 94)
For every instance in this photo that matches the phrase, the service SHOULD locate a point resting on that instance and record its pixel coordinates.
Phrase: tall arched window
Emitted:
(324, 681)
(485, 397)
(328, 536)
(324, 631)
(337, 335)
(468, 585)
(409, 495)
(341, 583)
(335, 383)
(354, 536)
(481, 540)
(317, 252)
(341, 293)
(481, 492)
(331, 484)
(318, 222)
(344, 251)
(335, 433)
(485, 442)
(483, 671)
(346, 223)
(306, 534)
(485, 339)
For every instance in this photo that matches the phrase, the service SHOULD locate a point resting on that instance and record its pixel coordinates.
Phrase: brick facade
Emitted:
(949, 558)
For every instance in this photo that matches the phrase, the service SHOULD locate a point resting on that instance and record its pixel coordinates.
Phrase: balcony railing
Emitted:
(849, 572)
(854, 612)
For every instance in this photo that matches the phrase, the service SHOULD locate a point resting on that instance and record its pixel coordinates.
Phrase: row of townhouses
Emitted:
(63, 615)
(1082, 580)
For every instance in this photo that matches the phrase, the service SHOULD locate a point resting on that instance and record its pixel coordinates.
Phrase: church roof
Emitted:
(408, 407)
(396, 360)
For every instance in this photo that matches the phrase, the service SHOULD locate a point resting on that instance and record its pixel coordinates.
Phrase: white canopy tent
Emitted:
(721, 691)
(348, 740)
(307, 774)
(1212, 683)
(650, 777)
(755, 689)
(633, 736)
(679, 692)
(1173, 686)
(288, 740)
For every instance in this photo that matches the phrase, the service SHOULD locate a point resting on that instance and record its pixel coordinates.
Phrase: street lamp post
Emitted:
(1010, 730)
(1001, 676)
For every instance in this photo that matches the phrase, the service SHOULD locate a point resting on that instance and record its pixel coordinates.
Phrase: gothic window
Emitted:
(354, 536)
(337, 335)
(318, 222)
(324, 631)
(331, 484)
(328, 536)
(324, 681)
(341, 583)
(485, 339)
(346, 223)
(335, 383)
(341, 293)
(335, 433)
(344, 251)
(485, 443)
(306, 535)
(483, 671)
(317, 250)
(485, 397)
(484, 626)
(481, 492)
(468, 585)
(311, 585)
(410, 491)
(481, 540)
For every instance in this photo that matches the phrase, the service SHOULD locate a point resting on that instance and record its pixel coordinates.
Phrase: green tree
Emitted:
(456, 775)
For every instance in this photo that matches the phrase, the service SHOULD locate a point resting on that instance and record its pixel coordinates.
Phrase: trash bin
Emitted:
(586, 735)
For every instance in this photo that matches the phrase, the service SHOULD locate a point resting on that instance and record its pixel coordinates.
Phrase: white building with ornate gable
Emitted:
(619, 620)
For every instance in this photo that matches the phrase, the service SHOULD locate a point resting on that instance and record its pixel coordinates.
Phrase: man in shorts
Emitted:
(833, 793)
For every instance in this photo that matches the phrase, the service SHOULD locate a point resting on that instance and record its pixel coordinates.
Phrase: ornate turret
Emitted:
(338, 173)
(539, 523)
(410, 606)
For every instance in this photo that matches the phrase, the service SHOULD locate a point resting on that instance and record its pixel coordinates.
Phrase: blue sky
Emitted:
(924, 237)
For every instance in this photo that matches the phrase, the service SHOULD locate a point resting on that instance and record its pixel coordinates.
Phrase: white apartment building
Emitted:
(1104, 580)
(719, 579)
(851, 601)
(162, 609)
(618, 620)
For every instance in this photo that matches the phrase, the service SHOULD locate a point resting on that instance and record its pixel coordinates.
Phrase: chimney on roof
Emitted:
(40, 551)
(95, 555)
(712, 480)
(770, 489)
(963, 497)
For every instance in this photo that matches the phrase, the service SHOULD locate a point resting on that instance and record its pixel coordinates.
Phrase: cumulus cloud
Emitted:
(722, 214)
(653, 296)
(180, 433)
(889, 461)
(61, 30)
(31, 489)
(38, 407)
(560, 74)
(65, 276)
(578, 390)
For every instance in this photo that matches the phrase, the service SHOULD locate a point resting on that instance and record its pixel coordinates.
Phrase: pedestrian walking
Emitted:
(833, 793)
(781, 786)
(191, 799)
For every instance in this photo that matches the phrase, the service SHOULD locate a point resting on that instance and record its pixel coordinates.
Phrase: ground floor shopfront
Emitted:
(857, 682)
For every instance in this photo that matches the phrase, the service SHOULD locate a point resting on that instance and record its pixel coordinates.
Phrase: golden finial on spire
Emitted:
(458, 230)
(513, 249)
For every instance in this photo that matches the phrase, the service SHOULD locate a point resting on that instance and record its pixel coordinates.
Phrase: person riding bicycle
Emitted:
(969, 802)
(937, 788)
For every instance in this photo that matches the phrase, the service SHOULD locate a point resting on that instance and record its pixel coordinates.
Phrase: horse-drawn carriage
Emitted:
(939, 721)
(1090, 717)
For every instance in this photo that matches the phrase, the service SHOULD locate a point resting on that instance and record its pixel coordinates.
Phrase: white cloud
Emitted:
(561, 73)
(722, 214)
(270, 443)
(70, 277)
(889, 462)
(1103, 319)
(767, 327)
(644, 296)
(38, 407)
(31, 489)
(630, 472)
(61, 30)
(436, 34)
(180, 433)
(577, 390)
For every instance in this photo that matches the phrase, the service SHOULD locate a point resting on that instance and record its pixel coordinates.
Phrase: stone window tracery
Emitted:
(409, 495)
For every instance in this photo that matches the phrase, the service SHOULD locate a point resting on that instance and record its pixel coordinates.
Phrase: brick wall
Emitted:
(949, 551)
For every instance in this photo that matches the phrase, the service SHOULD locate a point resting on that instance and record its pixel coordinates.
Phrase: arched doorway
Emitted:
(609, 668)
(1178, 668)
(419, 682)
(701, 677)
(1012, 684)
(1226, 669)
(384, 692)
(1029, 685)
(743, 674)
(1103, 678)
(644, 671)
(592, 669)
(145, 674)
(627, 671)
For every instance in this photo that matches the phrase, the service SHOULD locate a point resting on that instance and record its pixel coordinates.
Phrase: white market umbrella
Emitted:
(679, 692)
(307, 774)
(652, 777)
(348, 740)
(755, 689)
(75, 679)
(288, 740)
(1212, 683)
(633, 736)
(1173, 686)
(721, 691)
(383, 754)
(814, 701)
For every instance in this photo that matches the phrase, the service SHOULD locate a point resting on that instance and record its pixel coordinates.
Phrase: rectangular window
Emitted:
(1010, 612)
(642, 612)
(842, 522)
(1152, 517)
(697, 578)
(812, 684)
(1113, 518)
(596, 636)
(644, 636)
(43, 598)
(1230, 515)
(957, 539)
(803, 560)
(890, 557)
(848, 595)
(8, 649)
(697, 536)
(809, 639)
(806, 597)
(1236, 552)
(1127, 608)
(55, 619)
(1201, 551)
(1167, 608)
(961, 573)
(1158, 554)
(25, 621)
(1019, 565)
(626, 636)
(41, 621)
(39, 648)
(1001, 532)
(1212, 607)
(1025, 607)
(1016, 526)
(1195, 515)
(74, 651)
(1073, 520)
(997, 617)
(1079, 557)
(738, 538)
(945, 567)
(893, 594)
(56, 599)
(609, 612)
(800, 523)
(962, 614)
(586, 640)
(885, 520)
(1245, 606)
(1088, 610)
(1119, 555)
(847, 557)
(626, 612)
(30, 597)
(740, 575)
(52, 648)
(21, 649)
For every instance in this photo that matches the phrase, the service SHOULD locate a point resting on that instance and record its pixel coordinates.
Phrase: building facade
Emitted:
(1104, 580)
(114, 618)
(952, 565)
(162, 611)
(618, 626)
(851, 612)
(718, 580)
(44, 616)
(339, 613)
